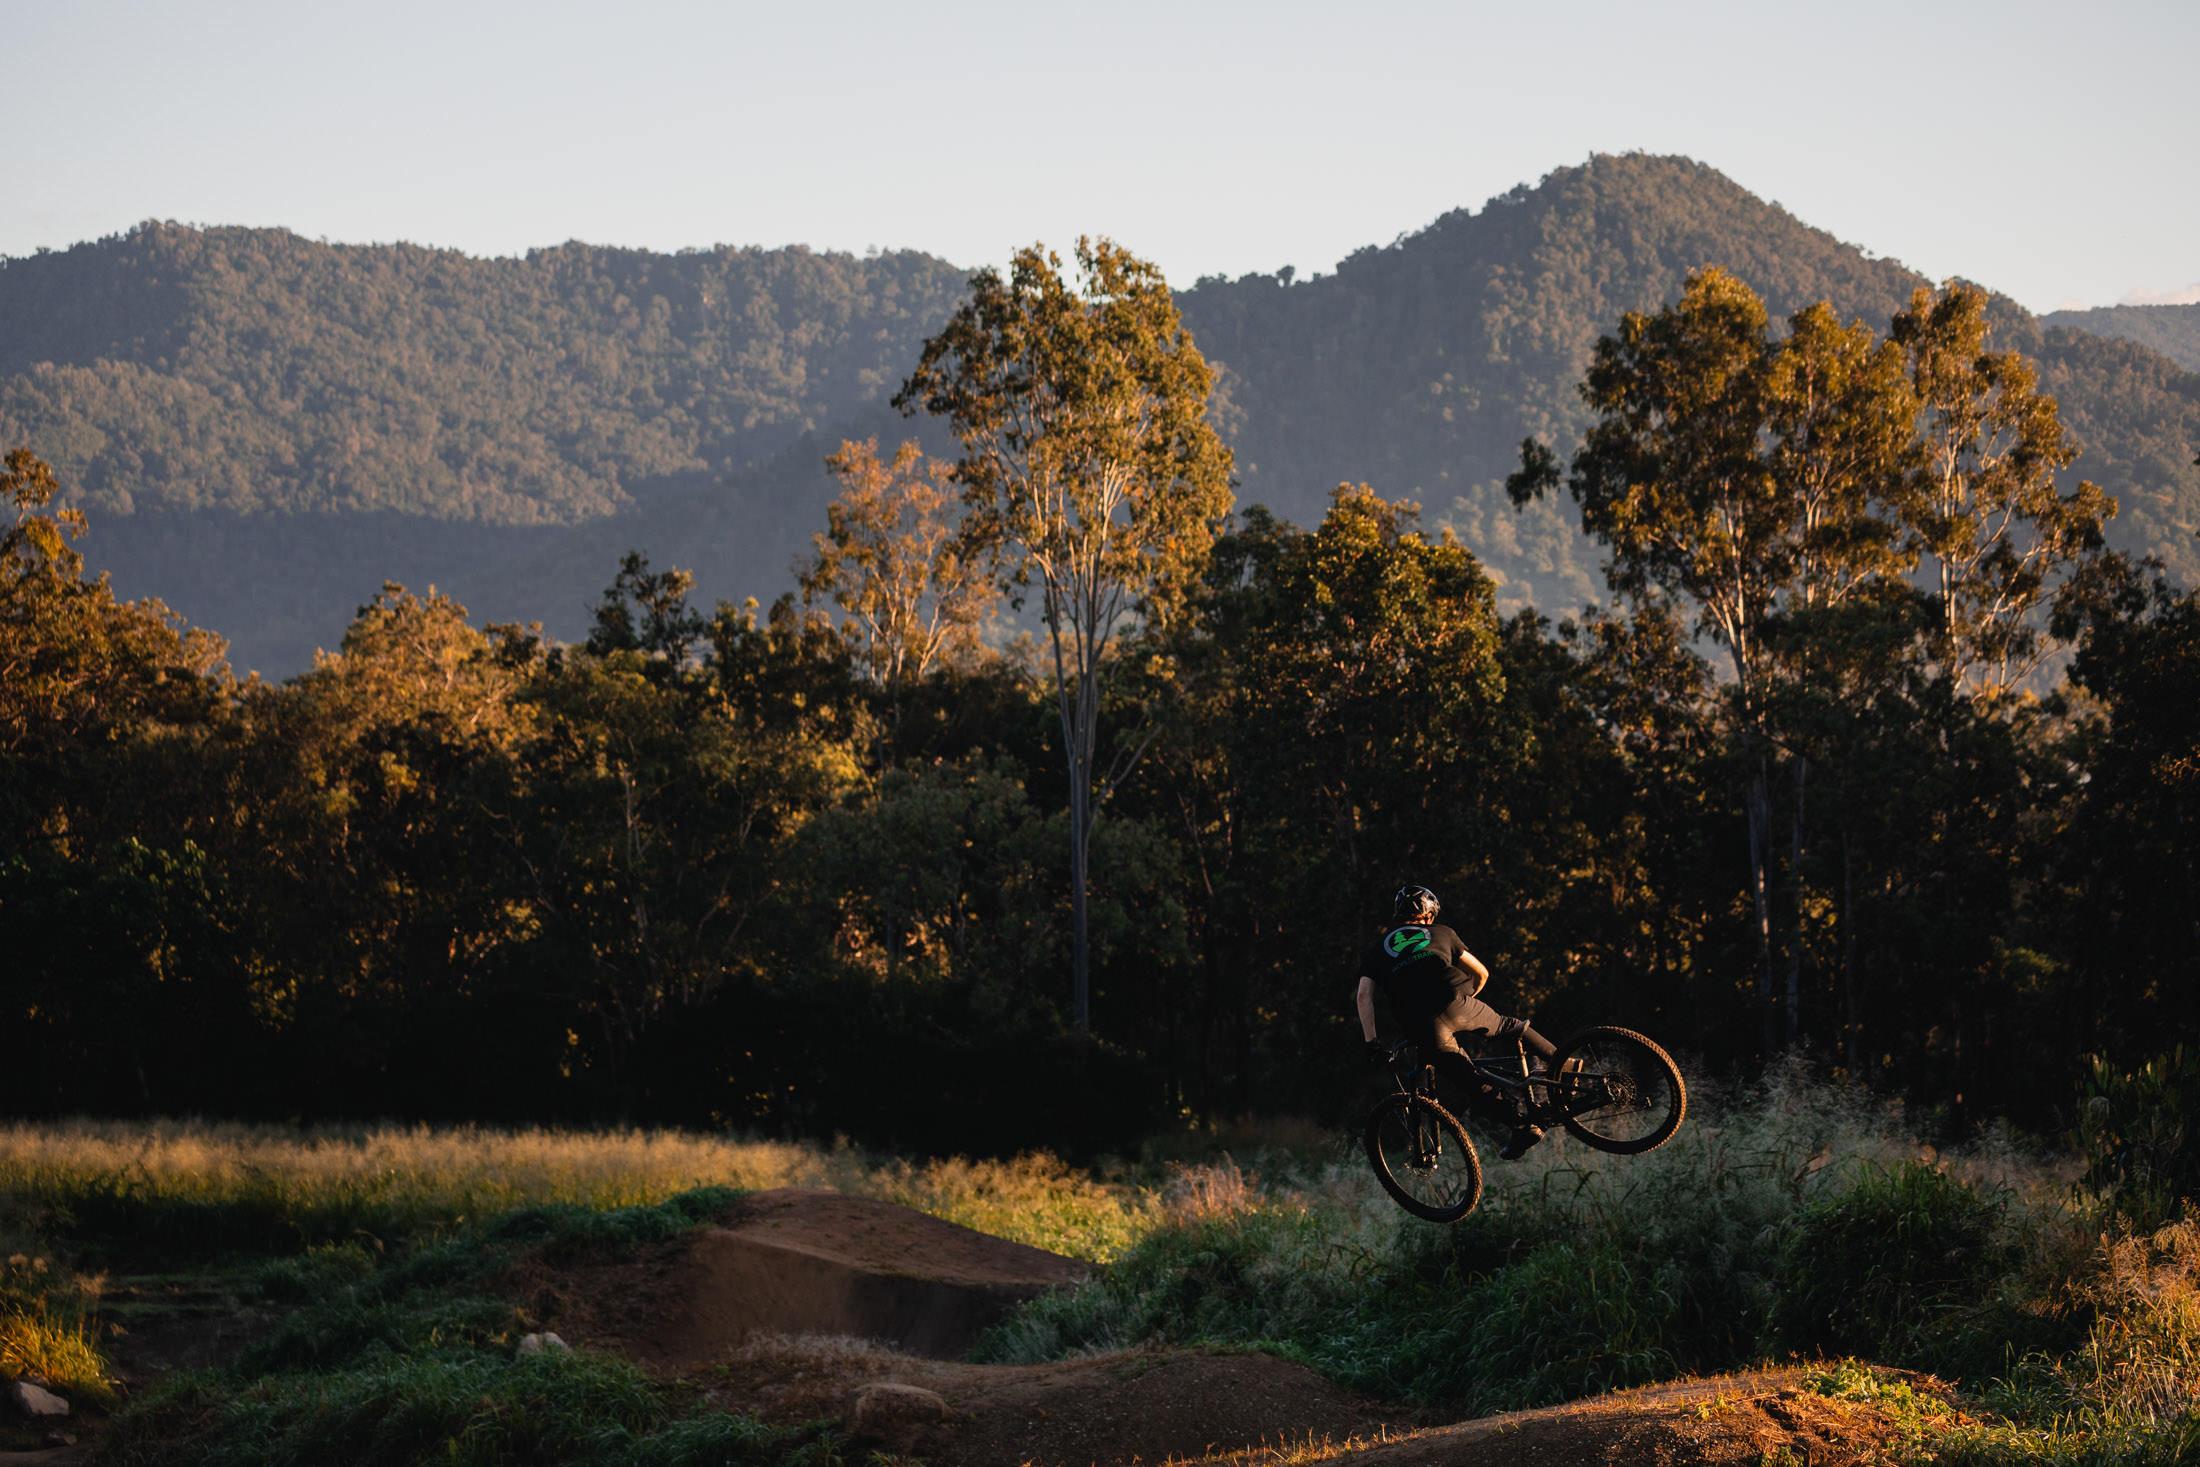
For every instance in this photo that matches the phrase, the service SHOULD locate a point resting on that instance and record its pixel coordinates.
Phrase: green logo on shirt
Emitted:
(1406, 942)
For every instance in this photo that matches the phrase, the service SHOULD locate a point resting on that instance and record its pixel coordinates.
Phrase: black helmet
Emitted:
(1414, 904)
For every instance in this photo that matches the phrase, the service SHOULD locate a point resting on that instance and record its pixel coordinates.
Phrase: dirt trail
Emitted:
(1749, 1418)
(797, 1261)
(804, 1304)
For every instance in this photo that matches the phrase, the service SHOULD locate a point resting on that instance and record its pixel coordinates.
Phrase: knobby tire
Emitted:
(1456, 1178)
(1661, 1101)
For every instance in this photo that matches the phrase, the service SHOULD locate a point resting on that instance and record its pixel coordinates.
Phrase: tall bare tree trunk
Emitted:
(1853, 1018)
(1080, 729)
(1080, 936)
(1796, 889)
(1760, 858)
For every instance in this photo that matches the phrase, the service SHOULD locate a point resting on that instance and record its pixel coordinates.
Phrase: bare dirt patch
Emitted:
(1146, 1406)
(797, 1261)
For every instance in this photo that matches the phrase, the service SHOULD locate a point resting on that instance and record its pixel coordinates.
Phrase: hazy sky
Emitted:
(2046, 150)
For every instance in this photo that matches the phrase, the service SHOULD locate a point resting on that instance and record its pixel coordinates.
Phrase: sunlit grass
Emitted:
(194, 1184)
(45, 1332)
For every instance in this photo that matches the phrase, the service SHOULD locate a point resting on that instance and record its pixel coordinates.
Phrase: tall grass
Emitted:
(183, 1188)
(1584, 1272)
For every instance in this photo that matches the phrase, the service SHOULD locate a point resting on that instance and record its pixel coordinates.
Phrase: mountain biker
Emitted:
(1429, 979)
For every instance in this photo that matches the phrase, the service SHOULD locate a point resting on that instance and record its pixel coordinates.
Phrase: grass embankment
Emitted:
(1797, 1220)
(385, 1241)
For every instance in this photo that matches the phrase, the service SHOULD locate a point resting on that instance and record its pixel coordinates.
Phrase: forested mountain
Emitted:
(253, 371)
(2174, 331)
(264, 428)
(1419, 367)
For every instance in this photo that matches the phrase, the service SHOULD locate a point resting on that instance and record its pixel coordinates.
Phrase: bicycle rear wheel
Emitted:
(1423, 1158)
(1626, 1096)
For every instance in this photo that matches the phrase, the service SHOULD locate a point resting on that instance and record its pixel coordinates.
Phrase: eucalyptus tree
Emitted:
(1090, 469)
(1747, 476)
(1984, 504)
(893, 559)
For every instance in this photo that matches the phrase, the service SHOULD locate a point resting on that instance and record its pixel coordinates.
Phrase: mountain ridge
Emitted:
(279, 425)
(2174, 331)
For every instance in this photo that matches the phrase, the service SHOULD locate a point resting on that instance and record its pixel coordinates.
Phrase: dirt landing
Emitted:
(1724, 1421)
(1148, 1406)
(800, 1261)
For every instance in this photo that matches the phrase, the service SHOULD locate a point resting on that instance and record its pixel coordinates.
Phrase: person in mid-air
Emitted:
(1430, 980)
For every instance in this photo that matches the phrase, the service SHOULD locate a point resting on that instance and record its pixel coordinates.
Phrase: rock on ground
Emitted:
(31, 1400)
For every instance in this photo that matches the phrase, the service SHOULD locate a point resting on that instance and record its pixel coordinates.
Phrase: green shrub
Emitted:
(1880, 1269)
(487, 1408)
(2139, 1131)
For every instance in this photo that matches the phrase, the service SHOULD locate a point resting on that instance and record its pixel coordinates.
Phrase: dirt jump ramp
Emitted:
(797, 1261)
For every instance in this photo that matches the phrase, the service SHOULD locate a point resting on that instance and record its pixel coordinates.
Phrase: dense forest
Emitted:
(268, 426)
(1792, 791)
(2173, 331)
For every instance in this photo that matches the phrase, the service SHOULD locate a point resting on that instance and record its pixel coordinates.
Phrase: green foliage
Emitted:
(1578, 1273)
(1419, 366)
(1878, 1270)
(2139, 1129)
(1789, 1218)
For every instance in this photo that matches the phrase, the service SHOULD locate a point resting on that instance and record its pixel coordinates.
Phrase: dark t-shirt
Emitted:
(1416, 969)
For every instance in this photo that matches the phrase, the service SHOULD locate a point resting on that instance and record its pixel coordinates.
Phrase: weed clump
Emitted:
(1888, 1268)
(46, 1329)
(2139, 1131)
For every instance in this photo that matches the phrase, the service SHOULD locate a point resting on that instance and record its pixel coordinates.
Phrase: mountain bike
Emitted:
(1610, 1088)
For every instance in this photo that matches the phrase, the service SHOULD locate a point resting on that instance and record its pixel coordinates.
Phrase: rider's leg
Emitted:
(1524, 1031)
(1471, 1015)
(1467, 1015)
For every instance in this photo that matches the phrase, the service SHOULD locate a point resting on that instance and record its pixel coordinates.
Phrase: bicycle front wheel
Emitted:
(1617, 1091)
(1423, 1158)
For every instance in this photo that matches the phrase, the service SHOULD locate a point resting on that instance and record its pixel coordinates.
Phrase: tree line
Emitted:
(1875, 754)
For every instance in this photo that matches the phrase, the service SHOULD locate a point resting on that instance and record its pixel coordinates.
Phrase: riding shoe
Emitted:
(1523, 1137)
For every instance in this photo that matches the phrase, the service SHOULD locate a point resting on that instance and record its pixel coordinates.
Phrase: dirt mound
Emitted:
(1147, 1406)
(795, 1261)
(1731, 1419)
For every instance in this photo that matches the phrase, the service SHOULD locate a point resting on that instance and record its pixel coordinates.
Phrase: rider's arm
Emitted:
(1366, 1000)
(1473, 964)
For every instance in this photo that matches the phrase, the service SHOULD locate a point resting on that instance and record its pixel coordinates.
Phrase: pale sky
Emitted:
(2048, 151)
